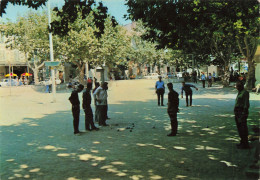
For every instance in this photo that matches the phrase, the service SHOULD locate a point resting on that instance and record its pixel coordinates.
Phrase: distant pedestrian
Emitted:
(74, 100)
(173, 109)
(194, 75)
(188, 92)
(101, 102)
(89, 124)
(213, 76)
(203, 79)
(159, 90)
(209, 80)
(241, 114)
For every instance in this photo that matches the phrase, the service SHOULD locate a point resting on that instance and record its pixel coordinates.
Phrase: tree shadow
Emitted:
(133, 146)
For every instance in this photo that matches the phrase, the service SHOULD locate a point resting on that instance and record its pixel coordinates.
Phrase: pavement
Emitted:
(37, 140)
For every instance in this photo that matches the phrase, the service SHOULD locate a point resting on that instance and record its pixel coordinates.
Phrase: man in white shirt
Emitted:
(101, 102)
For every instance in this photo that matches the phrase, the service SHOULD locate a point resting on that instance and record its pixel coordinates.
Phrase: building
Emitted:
(11, 61)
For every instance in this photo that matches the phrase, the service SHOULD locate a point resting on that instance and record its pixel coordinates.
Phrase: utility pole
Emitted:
(51, 55)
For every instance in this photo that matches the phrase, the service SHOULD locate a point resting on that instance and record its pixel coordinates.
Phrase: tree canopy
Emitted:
(68, 14)
(203, 28)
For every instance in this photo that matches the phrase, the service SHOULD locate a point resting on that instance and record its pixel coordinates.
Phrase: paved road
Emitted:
(37, 140)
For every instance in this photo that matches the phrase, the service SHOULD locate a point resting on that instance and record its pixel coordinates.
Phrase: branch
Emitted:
(254, 48)
(240, 48)
(42, 64)
(247, 47)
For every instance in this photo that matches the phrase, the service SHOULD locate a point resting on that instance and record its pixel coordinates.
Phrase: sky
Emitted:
(115, 8)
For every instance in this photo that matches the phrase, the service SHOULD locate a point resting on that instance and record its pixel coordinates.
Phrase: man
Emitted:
(173, 104)
(194, 75)
(87, 108)
(107, 102)
(101, 102)
(203, 79)
(159, 90)
(95, 102)
(241, 114)
(74, 100)
(188, 92)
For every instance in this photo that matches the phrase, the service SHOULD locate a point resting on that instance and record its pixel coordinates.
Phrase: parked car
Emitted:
(153, 76)
(6, 82)
(179, 74)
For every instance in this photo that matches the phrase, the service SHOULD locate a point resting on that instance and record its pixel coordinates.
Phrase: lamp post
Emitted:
(51, 55)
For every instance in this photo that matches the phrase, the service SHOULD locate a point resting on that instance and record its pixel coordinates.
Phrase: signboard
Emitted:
(52, 63)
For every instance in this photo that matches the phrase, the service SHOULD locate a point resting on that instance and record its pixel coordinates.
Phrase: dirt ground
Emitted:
(37, 140)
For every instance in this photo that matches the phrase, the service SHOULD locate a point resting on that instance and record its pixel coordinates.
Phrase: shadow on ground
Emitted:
(134, 146)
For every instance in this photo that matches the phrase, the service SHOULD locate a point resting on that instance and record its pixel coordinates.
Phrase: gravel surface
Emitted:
(37, 140)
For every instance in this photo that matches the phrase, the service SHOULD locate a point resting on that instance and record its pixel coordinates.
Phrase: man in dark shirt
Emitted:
(89, 124)
(188, 92)
(241, 114)
(74, 100)
(173, 104)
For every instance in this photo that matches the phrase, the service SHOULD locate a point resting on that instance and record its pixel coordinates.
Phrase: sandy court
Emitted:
(37, 140)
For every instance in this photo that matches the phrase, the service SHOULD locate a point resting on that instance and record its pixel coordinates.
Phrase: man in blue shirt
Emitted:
(159, 90)
(188, 92)
(203, 79)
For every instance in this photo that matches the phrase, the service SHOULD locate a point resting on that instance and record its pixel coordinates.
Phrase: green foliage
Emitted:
(28, 34)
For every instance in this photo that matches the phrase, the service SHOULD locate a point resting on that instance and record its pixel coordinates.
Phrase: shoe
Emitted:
(108, 118)
(171, 134)
(162, 104)
(187, 105)
(77, 133)
(96, 129)
(88, 129)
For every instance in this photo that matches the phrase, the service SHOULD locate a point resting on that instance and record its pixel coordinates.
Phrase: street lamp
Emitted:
(51, 54)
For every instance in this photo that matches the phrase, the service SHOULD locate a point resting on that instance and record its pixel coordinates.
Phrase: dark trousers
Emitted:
(174, 122)
(210, 83)
(160, 93)
(101, 114)
(187, 99)
(195, 79)
(106, 111)
(76, 113)
(241, 122)
(89, 124)
(203, 83)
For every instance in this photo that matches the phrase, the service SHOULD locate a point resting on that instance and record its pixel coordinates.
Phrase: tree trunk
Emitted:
(81, 76)
(35, 75)
(250, 79)
(226, 75)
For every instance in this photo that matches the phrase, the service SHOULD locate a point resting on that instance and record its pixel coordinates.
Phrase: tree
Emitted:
(114, 45)
(247, 35)
(68, 14)
(30, 36)
(203, 28)
(80, 45)
(144, 51)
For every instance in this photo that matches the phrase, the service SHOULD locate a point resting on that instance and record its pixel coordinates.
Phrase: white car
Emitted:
(152, 76)
(179, 74)
(6, 82)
